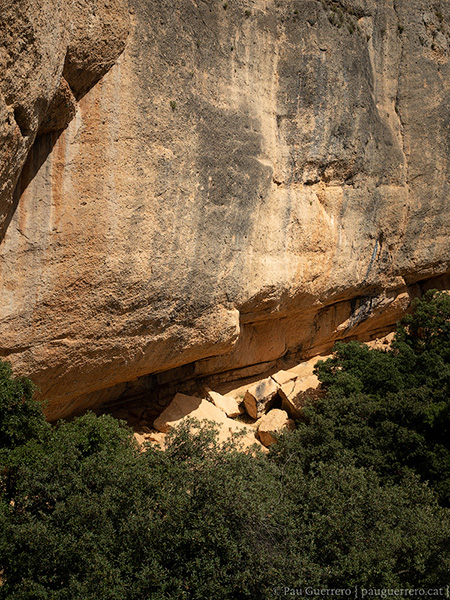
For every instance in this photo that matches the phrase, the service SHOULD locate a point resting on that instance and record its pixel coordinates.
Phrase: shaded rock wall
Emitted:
(51, 53)
(251, 180)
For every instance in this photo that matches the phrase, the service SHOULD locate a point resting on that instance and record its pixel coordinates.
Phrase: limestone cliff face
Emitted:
(51, 53)
(251, 179)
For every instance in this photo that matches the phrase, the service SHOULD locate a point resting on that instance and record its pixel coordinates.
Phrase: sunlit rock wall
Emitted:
(251, 179)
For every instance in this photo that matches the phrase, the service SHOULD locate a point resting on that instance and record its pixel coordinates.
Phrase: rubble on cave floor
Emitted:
(258, 410)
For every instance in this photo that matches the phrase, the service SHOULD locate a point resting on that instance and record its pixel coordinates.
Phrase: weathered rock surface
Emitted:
(153, 437)
(273, 423)
(259, 397)
(51, 51)
(183, 406)
(294, 394)
(243, 185)
(282, 377)
(226, 404)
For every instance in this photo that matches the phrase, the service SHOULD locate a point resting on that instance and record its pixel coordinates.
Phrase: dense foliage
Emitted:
(392, 409)
(358, 494)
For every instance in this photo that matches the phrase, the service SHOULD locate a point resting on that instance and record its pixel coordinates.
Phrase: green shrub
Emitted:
(21, 417)
(397, 401)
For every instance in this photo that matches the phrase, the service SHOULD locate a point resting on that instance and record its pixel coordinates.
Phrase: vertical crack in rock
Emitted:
(400, 29)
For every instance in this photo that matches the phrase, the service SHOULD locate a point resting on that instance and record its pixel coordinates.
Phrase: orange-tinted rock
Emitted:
(39, 40)
(227, 404)
(260, 396)
(212, 208)
(273, 423)
(183, 407)
(282, 377)
(294, 394)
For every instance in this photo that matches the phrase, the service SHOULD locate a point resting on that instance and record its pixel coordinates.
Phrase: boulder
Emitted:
(157, 437)
(227, 404)
(282, 377)
(140, 438)
(306, 368)
(295, 393)
(260, 396)
(183, 406)
(275, 421)
(144, 435)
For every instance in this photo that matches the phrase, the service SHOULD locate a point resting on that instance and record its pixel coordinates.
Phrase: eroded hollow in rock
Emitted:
(22, 120)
